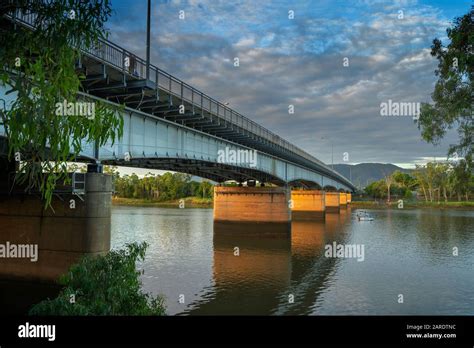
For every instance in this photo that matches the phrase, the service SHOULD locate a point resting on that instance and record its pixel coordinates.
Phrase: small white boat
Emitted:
(364, 217)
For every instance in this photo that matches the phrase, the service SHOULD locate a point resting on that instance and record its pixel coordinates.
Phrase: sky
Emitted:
(300, 61)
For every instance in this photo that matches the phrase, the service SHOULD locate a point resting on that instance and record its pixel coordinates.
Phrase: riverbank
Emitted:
(189, 202)
(197, 202)
(413, 205)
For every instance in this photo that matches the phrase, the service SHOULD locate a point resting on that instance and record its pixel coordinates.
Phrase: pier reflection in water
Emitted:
(406, 251)
(274, 272)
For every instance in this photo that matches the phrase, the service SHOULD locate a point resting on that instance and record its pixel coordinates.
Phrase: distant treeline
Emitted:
(166, 187)
(434, 181)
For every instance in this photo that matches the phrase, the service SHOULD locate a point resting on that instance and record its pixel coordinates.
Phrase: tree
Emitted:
(113, 171)
(430, 176)
(461, 177)
(377, 189)
(164, 187)
(441, 180)
(421, 179)
(453, 95)
(388, 179)
(38, 68)
(405, 182)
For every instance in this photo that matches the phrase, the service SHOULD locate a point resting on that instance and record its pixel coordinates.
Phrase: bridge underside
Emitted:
(217, 172)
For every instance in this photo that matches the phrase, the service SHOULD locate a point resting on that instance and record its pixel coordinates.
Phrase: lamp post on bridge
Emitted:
(148, 40)
(332, 151)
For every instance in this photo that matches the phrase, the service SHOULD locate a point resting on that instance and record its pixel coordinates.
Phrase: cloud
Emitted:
(300, 62)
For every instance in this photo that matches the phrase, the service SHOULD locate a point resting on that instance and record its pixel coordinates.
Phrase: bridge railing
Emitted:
(124, 60)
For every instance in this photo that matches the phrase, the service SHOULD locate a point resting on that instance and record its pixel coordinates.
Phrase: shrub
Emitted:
(104, 285)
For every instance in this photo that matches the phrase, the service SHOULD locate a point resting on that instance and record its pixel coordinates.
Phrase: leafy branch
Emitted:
(39, 72)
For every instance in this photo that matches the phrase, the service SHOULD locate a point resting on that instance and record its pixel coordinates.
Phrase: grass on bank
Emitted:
(188, 202)
(198, 202)
(413, 204)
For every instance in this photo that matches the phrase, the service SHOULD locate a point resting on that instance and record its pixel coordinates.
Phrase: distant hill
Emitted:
(364, 173)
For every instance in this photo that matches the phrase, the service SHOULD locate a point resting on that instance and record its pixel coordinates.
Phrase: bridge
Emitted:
(168, 125)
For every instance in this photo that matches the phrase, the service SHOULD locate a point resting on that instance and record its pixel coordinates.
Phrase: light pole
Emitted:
(148, 40)
(332, 155)
(332, 152)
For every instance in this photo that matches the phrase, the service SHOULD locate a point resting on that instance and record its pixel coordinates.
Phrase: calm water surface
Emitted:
(407, 252)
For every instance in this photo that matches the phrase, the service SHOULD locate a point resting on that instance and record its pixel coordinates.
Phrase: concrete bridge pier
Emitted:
(75, 228)
(252, 207)
(308, 205)
(343, 199)
(333, 204)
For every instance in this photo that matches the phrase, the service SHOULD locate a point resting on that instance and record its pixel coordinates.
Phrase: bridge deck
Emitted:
(117, 75)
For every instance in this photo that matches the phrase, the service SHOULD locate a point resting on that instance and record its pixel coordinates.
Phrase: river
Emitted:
(415, 261)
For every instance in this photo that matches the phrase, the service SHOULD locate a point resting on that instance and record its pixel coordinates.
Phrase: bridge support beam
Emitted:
(253, 206)
(308, 205)
(343, 199)
(333, 202)
(75, 228)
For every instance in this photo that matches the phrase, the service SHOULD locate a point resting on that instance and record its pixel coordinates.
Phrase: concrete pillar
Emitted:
(332, 202)
(62, 235)
(308, 205)
(349, 197)
(252, 205)
(343, 198)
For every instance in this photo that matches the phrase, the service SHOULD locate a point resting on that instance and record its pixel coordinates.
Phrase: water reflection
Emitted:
(311, 270)
(406, 251)
(274, 273)
(249, 270)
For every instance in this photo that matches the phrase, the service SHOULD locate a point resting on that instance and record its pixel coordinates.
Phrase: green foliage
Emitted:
(46, 76)
(164, 187)
(442, 179)
(104, 285)
(377, 189)
(408, 194)
(453, 95)
(404, 180)
(435, 181)
(461, 178)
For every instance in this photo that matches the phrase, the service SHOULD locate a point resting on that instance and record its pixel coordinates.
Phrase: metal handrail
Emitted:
(117, 58)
